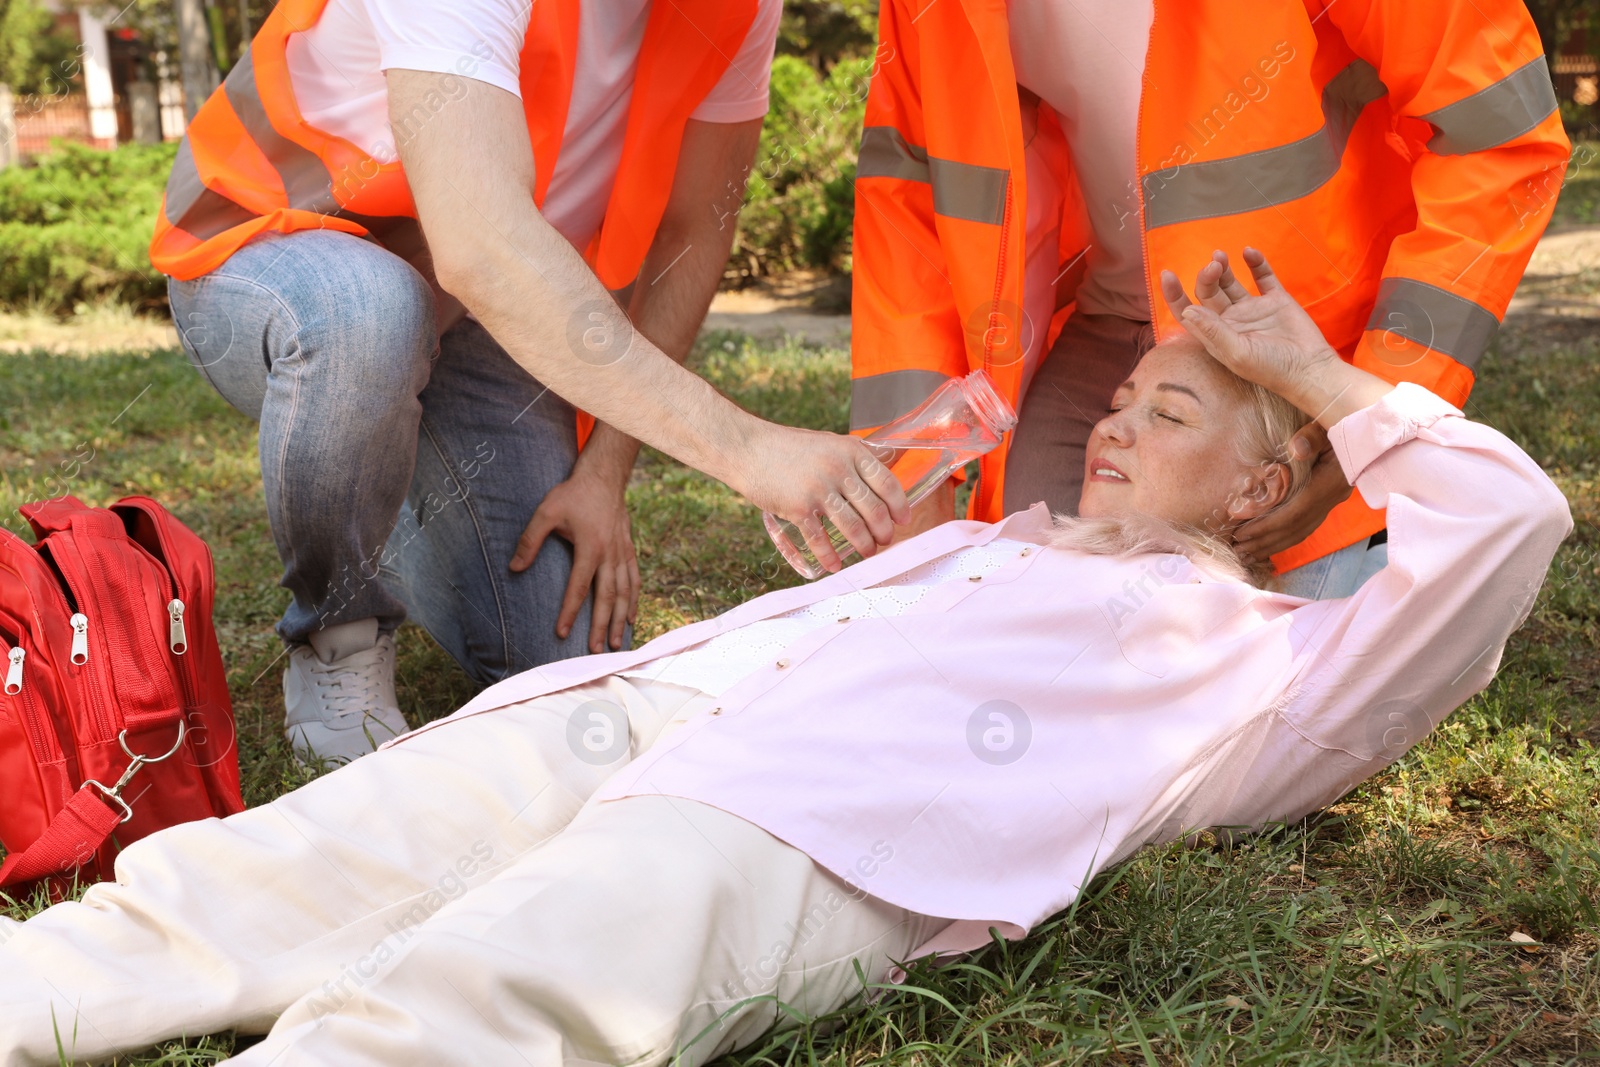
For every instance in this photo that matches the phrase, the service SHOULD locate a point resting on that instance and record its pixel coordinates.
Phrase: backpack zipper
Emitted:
(186, 668)
(39, 735)
(110, 597)
(177, 639)
(104, 719)
(14, 672)
(80, 638)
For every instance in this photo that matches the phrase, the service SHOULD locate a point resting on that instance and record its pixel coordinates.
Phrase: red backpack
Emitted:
(115, 719)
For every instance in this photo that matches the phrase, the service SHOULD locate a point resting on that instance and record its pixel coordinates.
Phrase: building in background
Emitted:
(116, 87)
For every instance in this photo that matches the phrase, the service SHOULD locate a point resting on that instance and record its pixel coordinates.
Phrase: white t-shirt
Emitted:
(336, 70)
(1086, 60)
(716, 665)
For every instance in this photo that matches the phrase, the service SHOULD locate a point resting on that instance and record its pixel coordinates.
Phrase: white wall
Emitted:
(97, 77)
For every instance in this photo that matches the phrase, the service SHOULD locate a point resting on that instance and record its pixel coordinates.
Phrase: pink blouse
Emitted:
(984, 755)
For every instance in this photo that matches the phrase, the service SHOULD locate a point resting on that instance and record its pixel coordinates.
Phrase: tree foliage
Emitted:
(75, 227)
(34, 56)
(1558, 20)
(824, 32)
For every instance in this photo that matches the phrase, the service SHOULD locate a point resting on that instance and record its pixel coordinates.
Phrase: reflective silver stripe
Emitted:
(1502, 112)
(1272, 176)
(1434, 317)
(960, 190)
(886, 154)
(305, 180)
(968, 191)
(880, 398)
(205, 213)
(193, 208)
(183, 184)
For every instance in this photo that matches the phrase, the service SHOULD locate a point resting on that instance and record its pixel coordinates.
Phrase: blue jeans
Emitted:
(1338, 574)
(399, 467)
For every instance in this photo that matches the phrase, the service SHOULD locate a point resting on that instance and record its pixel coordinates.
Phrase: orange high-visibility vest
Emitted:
(1396, 160)
(250, 164)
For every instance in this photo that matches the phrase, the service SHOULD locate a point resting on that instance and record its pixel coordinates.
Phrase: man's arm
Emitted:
(1471, 95)
(470, 170)
(670, 297)
(1471, 101)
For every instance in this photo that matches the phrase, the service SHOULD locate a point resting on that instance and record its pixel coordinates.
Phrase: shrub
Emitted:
(800, 200)
(35, 56)
(77, 226)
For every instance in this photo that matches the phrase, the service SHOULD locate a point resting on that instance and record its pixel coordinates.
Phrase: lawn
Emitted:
(1379, 934)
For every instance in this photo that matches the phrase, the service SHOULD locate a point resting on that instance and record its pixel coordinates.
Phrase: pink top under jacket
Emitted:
(983, 756)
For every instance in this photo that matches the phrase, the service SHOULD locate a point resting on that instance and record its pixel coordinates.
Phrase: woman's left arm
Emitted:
(1473, 526)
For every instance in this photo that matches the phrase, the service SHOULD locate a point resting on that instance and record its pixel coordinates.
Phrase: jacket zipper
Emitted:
(1138, 167)
(999, 282)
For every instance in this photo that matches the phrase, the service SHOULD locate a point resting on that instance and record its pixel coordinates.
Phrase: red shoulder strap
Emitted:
(71, 840)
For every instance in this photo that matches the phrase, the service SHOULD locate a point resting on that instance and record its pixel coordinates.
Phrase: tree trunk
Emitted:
(8, 127)
(194, 56)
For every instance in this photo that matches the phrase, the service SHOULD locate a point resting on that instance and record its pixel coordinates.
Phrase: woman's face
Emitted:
(1168, 447)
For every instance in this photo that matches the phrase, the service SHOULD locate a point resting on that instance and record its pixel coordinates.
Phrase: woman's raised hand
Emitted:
(1268, 339)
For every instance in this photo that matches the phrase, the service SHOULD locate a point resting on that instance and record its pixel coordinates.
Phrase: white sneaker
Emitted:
(338, 694)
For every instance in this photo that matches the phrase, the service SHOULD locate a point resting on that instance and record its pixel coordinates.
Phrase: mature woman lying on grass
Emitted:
(635, 858)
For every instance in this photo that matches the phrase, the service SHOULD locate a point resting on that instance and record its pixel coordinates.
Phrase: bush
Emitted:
(77, 227)
(800, 200)
(35, 56)
(77, 224)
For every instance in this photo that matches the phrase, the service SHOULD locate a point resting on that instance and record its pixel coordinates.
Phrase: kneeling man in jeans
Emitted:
(387, 217)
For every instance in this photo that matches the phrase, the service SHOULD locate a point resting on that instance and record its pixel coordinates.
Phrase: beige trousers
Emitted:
(454, 900)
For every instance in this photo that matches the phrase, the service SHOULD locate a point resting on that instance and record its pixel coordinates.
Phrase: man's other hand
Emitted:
(589, 512)
(1297, 519)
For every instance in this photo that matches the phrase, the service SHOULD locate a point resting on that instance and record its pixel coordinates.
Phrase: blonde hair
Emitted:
(1266, 425)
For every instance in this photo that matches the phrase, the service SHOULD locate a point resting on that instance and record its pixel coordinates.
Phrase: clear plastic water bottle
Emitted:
(963, 419)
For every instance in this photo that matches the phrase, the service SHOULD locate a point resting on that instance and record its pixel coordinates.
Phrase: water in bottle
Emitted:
(962, 420)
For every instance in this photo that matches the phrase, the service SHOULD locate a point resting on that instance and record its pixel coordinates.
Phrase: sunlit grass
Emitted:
(1378, 935)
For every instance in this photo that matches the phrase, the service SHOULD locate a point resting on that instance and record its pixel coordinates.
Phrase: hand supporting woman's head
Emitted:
(1190, 443)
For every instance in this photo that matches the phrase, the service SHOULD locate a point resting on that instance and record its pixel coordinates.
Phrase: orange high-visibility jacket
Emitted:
(1396, 160)
(251, 164)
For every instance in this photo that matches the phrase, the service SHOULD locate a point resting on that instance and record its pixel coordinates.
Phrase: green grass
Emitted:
(1377, 935)
(1579, 200)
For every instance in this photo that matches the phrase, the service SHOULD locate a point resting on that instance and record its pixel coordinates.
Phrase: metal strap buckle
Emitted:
(114, 792)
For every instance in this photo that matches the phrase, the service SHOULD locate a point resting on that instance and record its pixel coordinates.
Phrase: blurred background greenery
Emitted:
(74, 223)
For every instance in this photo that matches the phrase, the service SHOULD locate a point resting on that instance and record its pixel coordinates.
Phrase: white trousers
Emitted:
(453, 900)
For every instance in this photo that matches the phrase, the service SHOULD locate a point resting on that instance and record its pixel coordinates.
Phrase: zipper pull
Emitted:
(80, 638)
(14, 672)
(177, 640)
